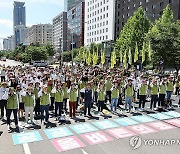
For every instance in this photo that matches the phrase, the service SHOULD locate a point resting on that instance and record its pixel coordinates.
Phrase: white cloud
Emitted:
(6, 22)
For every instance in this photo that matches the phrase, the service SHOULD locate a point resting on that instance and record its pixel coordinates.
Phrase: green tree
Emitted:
(50, 50)
(134, 31)
(165, 39)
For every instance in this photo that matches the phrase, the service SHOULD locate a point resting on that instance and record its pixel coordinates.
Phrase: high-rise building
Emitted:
(8, 43)
(153, 8)
(75, 30)
(59, 39)
(69, 4)
(19, 22)
(41, 33)
(99, 21)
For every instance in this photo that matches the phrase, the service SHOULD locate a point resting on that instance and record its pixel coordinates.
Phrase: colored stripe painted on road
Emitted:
(120, 132)
(126, 121)
(143, 118)
(22, 138)
(57, 132)
(160, 116)
(96, 137)
(159, 125)
(172, 114)
(83, 128)
(141, 129)
(175, 122)
(105, 124)
(68, 143)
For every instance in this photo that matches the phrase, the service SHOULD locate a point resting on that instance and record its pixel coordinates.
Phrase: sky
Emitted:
(37, 11)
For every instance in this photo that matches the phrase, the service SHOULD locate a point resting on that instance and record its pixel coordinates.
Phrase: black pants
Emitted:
(65, 103)
(3, 106)
(108, 94)
(2, 78)
(142, 100)
(161, 99)
(58, 106)
(177, 91)
(87, 105)
(37, 106)
(154, 99)
(120, 100)
(9, 111)
(100, 105)
(52, 104)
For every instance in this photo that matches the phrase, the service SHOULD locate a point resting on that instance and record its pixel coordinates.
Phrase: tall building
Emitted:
(99, 21)
(69, 4)
(19, 22)
(153, 8)
(8, 43)
(59, 39)
(75, 31)
(41, 33)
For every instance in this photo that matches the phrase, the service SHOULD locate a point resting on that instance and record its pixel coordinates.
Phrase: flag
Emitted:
(113, 58)
(121, 57)
(150, 52)
(125, 60)
(103, 58)
(143, 53)
(95, 57)
(136, 54)
(130, 57)
(89, 58)
(84, 55)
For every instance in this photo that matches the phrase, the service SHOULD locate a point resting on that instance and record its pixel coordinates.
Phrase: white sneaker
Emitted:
(8, 127)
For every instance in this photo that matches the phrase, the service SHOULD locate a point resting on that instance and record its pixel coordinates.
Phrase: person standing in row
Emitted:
(108, 86)
(142, 94)
(88, 99)
(37, 89)
(59, 94)
(72, 100)
(3, 98)
(129, 92)
(44, 104)
(101, 97)
(162, 93)
(29, 104)
(12, 106)
(169, 90)
(154, 95)
(114, 96)
(65, 96)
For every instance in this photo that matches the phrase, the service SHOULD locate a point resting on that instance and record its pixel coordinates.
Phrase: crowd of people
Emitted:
(37, 91)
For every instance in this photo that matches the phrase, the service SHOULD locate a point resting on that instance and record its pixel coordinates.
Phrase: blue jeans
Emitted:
(169, 93)
(46, 109)
(114, 102)
(128, 101)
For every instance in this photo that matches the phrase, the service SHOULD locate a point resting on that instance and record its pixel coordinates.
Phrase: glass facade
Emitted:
(19, 21)
(69, 4)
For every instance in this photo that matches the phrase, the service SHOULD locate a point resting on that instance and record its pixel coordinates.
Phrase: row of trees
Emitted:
(30, 53)
(140, 40)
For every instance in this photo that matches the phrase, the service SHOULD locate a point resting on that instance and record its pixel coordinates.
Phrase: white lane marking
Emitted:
(26, 149)
(25, 145)
(84, 152)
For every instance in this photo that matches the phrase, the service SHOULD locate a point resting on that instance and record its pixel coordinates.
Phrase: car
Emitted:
(39, 64)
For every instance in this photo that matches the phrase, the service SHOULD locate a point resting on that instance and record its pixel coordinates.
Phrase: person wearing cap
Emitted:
(12, 106)
(37, 89)
(101, 96)
(154, 95)
(88, 99)
(72, 100)
(108, 86)
(169, 90)
(129, 92)
(65, 96)
(162, 93)
(3, 98)
(29, 104)
(114, 96)
(59, 94)
(142, 94)
(44, 104)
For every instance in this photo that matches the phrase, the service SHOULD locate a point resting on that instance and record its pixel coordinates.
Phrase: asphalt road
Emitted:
(113, 147)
